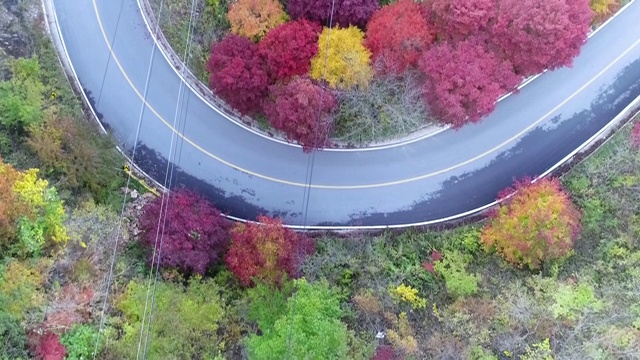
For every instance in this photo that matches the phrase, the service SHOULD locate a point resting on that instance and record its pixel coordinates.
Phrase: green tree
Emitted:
(342, 60)
(459, 282)
(21, 97)
(21, 287)
(80, 342)
(14, 341)
(315, 323)
(185, 320)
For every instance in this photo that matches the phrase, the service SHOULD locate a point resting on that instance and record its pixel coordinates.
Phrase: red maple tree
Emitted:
(538, 35)
(194, 234)
(238, 74)
(303, 111)
(266, 251)
(464, 80)
(397, 35)
(459, 19)
(345, 12)
(288, 48)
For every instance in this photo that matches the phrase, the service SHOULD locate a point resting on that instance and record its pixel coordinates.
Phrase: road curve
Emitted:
(443, 176)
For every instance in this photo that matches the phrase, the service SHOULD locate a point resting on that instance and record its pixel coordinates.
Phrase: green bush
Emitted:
(21, 287)
(185, 320)
(458, 281)
(572, 300)
(80, 342)
(317, 332)
(12, 338)
(21, 97)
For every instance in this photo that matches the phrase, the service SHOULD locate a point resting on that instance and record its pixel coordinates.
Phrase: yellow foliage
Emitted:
(347, 61)
(368, 303)
(254, 18)
(410, 295)
(402, 336)
(20, 285)
(602, 7)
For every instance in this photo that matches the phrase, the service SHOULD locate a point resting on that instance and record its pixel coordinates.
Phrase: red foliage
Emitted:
(537, 35)
(288, 48)
(385, 352)
(302, 110)
(50, 348)
(459, 19)
(346, 12)
(635, 135)
(266, 251)
(429, 267)
(436, 255)
(238, 74)
(71, 305)
(195, 234)
(464, 80)
(397, 34)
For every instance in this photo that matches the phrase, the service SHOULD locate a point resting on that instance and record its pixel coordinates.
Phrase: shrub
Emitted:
(459, 19)
(464, 81)
(410, 295)
(50, 348)
(402, 335)
(539, 35)
(287, 50)
(342, 60)
(397, 35)
(194, 234)
(238, 74)
(80, 342)
(74, 151)
(11, 209)
(570, 301)
(14, 340)
(267, 251)
(21, 96)
(185, 320)
(345, 12)
(538, 223)
(303, 111)
(254, 18)
(452, 267)
(43, 226)
(319, 333)
(21, 287)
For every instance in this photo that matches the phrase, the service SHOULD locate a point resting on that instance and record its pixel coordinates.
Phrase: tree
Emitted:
(287, 50)
(21, 96)
(185, 321)
(11, 209)
(464, 80)
(14, 340)
(397, 35)
(238, 74)
(21, 287)
(537, 224)
(254, 18)
(539, 35)
(50, 348)
(342, 60)
(266, 250)
(303, 111)
(194, 234)
(459, 19)
(316, 322)
(345, 12)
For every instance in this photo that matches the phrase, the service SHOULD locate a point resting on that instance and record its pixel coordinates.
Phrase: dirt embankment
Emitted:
(17, 19)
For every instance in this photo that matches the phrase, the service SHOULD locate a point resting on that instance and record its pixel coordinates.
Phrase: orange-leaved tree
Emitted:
(254, 18)
(342, 60)
(266, 251)
(536, 224)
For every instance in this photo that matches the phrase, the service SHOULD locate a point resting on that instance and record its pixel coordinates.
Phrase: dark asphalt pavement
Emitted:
(245, 174)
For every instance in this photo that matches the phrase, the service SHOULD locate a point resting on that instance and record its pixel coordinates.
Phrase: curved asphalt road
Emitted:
(245, 174)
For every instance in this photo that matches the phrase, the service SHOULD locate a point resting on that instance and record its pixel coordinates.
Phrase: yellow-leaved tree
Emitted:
(346, 63)
(254, 18)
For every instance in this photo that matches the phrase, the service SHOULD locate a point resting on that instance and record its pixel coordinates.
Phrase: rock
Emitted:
(134, 194)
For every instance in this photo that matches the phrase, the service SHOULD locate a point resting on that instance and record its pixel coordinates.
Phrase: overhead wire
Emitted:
(308, 180)
(127, 186)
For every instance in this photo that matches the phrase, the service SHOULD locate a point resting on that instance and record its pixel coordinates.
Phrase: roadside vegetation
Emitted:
(445, 62)
(550, 274)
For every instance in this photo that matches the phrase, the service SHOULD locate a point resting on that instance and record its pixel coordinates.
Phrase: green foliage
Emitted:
(268, 303)
(572, 300)
(480, 353)
(185, 320)
(13, 340)
(410, 295)
(21, 287)
(319, 333)
(21, 97)
(538, 351)
(80, 342)
(458, 281)
(43, 228)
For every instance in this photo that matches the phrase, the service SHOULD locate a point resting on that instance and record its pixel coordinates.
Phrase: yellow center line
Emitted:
(349, 187)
